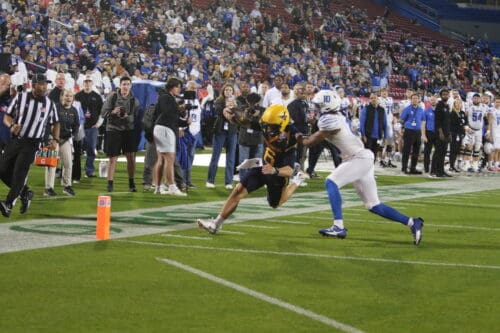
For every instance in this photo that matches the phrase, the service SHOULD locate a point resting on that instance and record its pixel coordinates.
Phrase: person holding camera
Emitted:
(120, 109)
(225, 135)
(166, 132)
(250, 139)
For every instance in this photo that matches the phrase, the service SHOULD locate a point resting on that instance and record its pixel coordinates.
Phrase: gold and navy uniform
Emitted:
(279, 151)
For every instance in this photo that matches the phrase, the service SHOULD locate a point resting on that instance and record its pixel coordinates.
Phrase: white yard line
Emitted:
(231, 232)
(461, 203)
(426, 224)
(285, 221)
(311, 203)
(254, 226)
(263, 297)
(317, 255)
(186, 237)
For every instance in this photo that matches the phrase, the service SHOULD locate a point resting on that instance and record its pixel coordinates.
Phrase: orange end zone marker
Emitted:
(103, 217)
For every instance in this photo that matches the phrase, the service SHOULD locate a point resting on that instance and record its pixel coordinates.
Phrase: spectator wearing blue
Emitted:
(429, 135)
(194, 129)
(378, 80)
(413, 74)
(225, 135)
(373, 125)
(411, 118)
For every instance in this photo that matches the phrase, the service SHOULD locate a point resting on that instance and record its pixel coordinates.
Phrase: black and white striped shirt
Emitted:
(33, 114)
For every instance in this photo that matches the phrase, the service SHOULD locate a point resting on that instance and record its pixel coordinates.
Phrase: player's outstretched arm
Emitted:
(314, 139)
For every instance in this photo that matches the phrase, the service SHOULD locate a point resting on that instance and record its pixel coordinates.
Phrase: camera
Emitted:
(184, 102)
(122, 113)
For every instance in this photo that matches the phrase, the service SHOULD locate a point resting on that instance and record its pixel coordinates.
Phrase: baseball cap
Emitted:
(88, 78)
(39, 78)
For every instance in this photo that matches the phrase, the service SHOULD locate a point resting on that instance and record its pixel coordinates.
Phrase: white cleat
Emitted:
(209, 226)
(299, 177)
(176, 192)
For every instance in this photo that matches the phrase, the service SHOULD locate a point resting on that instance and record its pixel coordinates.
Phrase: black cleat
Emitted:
(5, 209)
(26, 201)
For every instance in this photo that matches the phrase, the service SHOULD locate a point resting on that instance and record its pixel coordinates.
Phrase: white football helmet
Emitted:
(326, 101)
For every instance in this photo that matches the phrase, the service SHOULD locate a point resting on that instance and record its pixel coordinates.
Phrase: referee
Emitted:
(27, 117)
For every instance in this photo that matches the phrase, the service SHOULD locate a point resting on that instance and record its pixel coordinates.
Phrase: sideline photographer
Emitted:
(121, 109)
(250, 138)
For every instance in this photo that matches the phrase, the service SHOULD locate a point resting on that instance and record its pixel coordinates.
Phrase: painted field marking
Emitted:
(186, 237)
(263, 297)
(317, 255)
(460, 202)
(285, 221)
(254, 226)
(408, 203)
(426, 224)
(231, 232)
(347, 212)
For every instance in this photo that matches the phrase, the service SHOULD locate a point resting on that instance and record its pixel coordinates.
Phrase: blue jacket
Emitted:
(429, 117)
(412, 117)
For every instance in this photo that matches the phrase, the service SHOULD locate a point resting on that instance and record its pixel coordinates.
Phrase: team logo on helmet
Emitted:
(326, 101)
(275, 119)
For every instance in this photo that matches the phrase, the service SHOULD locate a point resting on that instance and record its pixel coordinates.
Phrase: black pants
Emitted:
(455, 144)
(76, 173)
(15, 163)
(315, 153)
(439, 155)
(411, 144)
(372, 144)
(431, 142)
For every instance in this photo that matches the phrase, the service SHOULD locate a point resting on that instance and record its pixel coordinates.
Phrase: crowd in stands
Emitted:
(155, 39)
(224, 43)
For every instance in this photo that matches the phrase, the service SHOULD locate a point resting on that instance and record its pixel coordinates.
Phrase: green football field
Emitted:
(268, 272)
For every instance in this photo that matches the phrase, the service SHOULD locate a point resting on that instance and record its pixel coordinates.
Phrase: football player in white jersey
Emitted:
(356, 167)
(407, 102)
(493, 136)
(345, 103)
(387, 103)
(488, 100)
(473, 141)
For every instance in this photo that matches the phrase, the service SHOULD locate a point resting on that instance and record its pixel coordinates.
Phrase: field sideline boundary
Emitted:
(301, 203)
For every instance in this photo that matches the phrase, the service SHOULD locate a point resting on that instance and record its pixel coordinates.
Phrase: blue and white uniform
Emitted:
(357, 162)
(495, 128)
(388, 104)
(475, 116)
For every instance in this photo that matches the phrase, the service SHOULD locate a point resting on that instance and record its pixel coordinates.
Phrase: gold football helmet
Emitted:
(274, 120)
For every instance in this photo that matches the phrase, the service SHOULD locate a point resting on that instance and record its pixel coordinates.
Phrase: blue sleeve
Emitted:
(422, 115)
(362, 120)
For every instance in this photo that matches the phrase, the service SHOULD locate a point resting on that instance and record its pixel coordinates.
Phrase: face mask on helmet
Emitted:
(270, 130)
